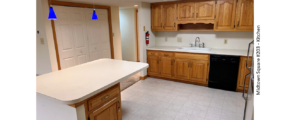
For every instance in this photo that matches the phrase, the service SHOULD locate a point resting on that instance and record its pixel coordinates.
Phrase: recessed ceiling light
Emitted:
(135, 5)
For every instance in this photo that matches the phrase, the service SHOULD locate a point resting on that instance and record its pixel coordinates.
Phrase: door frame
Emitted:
(137, 37)
(72, 4)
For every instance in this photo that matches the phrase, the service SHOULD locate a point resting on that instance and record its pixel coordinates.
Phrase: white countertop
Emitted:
(212, 51)
(75, 84)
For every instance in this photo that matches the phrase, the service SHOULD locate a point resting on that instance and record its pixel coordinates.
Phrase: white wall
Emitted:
(43, 64)
(116, 32)
(49, 35)
(212, 39)
(128, 33)
(144, 14)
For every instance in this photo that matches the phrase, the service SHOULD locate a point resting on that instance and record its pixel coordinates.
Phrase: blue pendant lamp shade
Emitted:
(94, 16)
(51, 15)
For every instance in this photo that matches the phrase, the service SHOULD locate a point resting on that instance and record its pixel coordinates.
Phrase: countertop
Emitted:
(212, 51)
(75, 84)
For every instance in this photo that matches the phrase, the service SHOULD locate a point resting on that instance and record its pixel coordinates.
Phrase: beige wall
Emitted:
(212, 39)
(50, 40)
(43, 64)
(128, 36)
(116, 32)
(49, 35)
(144, 14)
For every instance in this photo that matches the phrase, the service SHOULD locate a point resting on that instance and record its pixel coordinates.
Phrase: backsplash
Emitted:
(212, 39)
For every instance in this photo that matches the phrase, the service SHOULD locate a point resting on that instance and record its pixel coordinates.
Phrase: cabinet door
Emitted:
(170, 17)
(225, 14)
(199, 71)
(186, 11)
(205, 10)
(153, 68)
(166, 66)
(245, 15)
(110, 111)
(156, 17)
(243, 71)
(181, 68)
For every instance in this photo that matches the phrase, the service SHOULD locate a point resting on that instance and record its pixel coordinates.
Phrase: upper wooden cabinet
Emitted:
(205, 10)
(170, 17)
(245, 15)
(157, 17)
(225, 15)
(205, 15)
(186, 11)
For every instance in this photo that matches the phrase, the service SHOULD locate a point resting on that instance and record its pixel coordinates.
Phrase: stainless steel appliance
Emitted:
(249, 97)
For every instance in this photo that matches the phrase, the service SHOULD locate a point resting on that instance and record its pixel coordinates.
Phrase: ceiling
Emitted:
(120, 3)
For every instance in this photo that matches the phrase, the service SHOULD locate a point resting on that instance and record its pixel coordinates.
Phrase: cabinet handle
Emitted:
(106, 97)
(217, 24)
(152, 53)
(157, 61)
(174, 24)
(196, 15)
(165, 54)
(119, 106)
(188, 64)
(238, 23)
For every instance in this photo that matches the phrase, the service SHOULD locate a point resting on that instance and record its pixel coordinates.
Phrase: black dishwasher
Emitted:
(223, 72)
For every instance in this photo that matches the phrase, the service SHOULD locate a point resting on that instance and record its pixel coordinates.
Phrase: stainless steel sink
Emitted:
(194, 49)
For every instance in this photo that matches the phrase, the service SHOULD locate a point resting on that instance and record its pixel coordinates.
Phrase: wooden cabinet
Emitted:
(170, 17)
(205, 10)
(186, 67)
(186, 11)
(245, 15)
(110, 111)
(153, 62)
(209, 15)
(199, 70)
(243, 71)
(181, 68)
(225, 15)
(157, 17)
(166, 64)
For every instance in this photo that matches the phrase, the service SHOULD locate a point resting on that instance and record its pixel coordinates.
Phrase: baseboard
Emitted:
(143, 78)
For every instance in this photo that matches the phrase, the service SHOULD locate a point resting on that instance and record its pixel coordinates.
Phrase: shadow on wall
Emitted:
(218, 34)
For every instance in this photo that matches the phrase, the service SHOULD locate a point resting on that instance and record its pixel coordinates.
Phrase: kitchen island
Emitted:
(92, 88)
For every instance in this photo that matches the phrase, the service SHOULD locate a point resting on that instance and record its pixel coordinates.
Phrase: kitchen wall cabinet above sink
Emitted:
(203, 15)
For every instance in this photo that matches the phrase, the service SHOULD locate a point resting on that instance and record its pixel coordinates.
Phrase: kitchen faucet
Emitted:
(197, 39)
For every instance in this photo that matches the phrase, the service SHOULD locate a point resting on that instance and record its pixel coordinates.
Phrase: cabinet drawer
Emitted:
(154, 53)
(166, 54)
(192, 56)
(103, 97)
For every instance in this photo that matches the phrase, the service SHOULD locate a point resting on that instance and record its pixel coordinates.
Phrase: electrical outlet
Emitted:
(179, 39)
(41, 41)
(226, 41)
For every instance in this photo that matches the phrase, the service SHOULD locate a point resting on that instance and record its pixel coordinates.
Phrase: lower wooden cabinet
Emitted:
(181, 69)
(166, 66)
(199, 70)
(187, 67)
(243, 71)
(153, 62)
(110, 111)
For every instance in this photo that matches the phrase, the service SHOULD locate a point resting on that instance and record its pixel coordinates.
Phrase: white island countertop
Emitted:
(212, 51)
(75, 84)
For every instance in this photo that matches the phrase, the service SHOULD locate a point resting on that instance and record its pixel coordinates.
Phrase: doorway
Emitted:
(129, 34)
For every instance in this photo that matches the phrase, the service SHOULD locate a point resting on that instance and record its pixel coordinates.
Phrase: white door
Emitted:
(70, 28)
(98, 34)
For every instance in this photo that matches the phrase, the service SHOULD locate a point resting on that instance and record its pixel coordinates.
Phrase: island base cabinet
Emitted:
(102, 106)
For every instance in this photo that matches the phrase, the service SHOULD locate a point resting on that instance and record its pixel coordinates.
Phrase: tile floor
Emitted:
(157, 99)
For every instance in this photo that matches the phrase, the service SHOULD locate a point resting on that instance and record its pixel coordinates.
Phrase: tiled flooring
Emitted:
(157, 99)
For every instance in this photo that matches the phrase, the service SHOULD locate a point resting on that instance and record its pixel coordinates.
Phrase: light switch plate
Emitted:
(41, 41)
(226, 41)
(179, 39)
